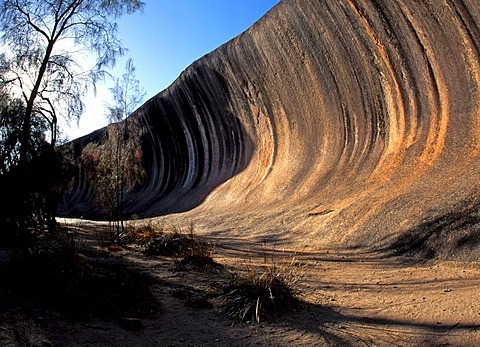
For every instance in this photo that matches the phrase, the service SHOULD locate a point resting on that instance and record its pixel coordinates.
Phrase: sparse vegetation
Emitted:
(28, 208)
(115, 166)
(171, 240)
(142, 234)
(262, 293)
(78, 282)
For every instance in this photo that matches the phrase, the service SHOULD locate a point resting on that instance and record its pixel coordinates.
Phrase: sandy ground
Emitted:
(351, 299)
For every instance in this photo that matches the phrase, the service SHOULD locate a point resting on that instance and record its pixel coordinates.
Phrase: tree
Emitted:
(12, 110)
(43, 78)
(127, 95)
(47, 40)
(18, 212)
(116, 165)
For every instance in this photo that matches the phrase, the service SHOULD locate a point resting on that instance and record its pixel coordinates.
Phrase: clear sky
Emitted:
(166, 38)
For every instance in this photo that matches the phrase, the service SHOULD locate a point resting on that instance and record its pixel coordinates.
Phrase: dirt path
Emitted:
(351, 299)
(366, 299)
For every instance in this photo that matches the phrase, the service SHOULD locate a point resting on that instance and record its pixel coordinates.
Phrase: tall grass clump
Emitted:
(263, 293)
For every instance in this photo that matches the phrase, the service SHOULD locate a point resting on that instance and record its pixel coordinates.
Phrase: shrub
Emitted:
(168, 245)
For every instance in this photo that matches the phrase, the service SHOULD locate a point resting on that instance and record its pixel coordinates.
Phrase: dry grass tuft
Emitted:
(263, 293)
(143, 234)
(171, 240)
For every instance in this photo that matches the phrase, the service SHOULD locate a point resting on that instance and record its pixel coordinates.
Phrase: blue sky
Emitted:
(166, 38)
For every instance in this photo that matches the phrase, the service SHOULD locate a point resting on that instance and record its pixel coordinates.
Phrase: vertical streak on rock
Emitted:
(392, 98)
(470, 33)
(438, 95)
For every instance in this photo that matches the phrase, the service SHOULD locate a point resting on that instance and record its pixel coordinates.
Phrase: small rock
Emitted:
(182, 294)
(131, 324)
(199, 303)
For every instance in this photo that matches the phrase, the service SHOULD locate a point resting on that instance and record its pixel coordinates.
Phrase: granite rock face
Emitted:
(351, 123)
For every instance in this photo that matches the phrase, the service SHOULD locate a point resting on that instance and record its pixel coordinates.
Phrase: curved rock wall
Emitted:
(327, 122)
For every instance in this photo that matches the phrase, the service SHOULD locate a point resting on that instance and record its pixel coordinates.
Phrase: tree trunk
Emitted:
(27, 117)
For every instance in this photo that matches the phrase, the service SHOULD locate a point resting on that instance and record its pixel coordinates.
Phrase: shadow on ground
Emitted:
(452, 235)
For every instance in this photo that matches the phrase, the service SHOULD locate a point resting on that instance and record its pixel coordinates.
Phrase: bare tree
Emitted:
(127, 95)
(47, 40)
(116, 165)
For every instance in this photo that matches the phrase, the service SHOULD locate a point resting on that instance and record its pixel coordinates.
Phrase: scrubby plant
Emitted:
(63, 274)
(59, 241)
(198, 253)
(64, 239)
(52, 262)
(168, 244)
(115, 166)
(142, 234)
(182, 243)
(108, 290)
(171, 240)
(28, 207)
(262, 293)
